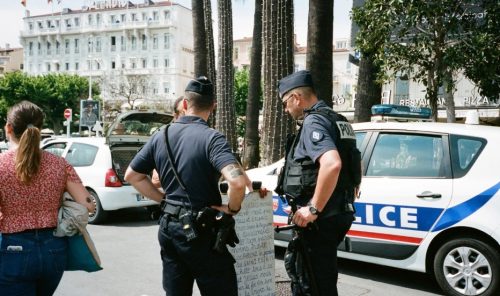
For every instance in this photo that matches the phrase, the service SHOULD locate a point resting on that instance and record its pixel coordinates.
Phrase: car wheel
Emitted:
(99, 215)
(467, 266)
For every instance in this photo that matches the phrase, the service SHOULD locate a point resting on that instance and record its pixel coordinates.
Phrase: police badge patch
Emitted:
(316, 136)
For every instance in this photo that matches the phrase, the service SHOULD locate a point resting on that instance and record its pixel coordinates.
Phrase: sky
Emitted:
(12, 13)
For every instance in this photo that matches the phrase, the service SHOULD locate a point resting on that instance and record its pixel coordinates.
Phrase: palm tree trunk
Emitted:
(251, 155)
(369, 90)
(226, 114)
(199, 39)
(209, 35)
(319, 47)
(278, 56)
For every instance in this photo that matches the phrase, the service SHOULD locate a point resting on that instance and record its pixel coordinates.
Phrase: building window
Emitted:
(155, 63)
(40, 25)
(113, 65)
(66, 66)
(123, 64)
(58, 67)
(144, 42)
(166, 88)
(30, 26)
(123, 17)
(134, 43)
(144, 63)
(166, 15)
(30, 51)
(113, 43)
(39, 48)
(49, 50)
(155, 15)
(58, 47)
(90, 19)
(48, 67)
(98, 19)
(77, 22)
(77, 66)
(77, 48)
(133, 16)
(98, 44)
(166, 41)
(166, 63)
(155, 41)
(66, 46)
(123, 45)
(112, 19)
(144, 16)
(90, 43)
(236, 52)
(98, 65)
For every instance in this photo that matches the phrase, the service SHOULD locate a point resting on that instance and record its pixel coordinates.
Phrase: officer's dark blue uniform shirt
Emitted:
(199, 153)
(317, 136)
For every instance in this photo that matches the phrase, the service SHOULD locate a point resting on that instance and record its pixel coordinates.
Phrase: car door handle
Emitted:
(428, 194)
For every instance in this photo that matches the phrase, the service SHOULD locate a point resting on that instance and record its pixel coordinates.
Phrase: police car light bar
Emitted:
(384, 112)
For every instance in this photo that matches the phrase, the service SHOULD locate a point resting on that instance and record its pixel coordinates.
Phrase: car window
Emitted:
(407, 155)
(464, 152)
(55, 148)
(81, 154)
(360, 137)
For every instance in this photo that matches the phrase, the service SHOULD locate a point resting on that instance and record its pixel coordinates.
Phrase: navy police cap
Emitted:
(201, 85)
(292, 81)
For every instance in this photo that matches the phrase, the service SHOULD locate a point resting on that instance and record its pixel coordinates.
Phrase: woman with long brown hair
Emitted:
(32, 182)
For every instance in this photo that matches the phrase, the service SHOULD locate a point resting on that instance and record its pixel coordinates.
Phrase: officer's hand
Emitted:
(263, 192)
(303, 217)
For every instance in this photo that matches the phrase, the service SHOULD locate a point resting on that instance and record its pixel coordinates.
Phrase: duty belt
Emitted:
(175, 211)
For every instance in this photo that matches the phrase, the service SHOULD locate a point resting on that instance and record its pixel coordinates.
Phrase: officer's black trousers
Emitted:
(322, 246)
(184, 262)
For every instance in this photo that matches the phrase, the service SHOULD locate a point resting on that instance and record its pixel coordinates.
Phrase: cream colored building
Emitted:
(11, 59)
(344, 73)
(113, 39)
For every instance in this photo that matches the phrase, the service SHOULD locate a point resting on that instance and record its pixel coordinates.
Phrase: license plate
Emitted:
(141, 197)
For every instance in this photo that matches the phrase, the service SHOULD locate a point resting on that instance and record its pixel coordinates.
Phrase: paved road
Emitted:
(130, 254)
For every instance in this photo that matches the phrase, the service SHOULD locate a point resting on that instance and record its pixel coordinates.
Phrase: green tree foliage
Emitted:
(479, 51)
(52, 92)
(418, 37)
(241, 78)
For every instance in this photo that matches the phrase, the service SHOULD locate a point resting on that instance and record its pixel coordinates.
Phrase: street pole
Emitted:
(68, 124)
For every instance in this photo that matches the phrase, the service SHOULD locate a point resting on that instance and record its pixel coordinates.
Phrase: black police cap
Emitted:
(201, 85)
(292, 81)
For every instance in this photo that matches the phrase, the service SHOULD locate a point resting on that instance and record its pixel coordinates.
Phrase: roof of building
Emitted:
(67, 11)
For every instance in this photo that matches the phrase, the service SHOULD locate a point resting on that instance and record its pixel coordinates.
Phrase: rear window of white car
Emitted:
(464, 152)
(80, 155)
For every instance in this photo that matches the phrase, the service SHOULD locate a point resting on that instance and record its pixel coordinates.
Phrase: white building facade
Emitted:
(114, 40)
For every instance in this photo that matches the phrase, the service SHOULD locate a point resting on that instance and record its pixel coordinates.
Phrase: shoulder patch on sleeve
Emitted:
(346, 130)
(317, 136)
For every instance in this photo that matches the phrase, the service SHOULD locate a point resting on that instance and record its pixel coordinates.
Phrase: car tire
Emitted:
(99, 215)
(467, 266)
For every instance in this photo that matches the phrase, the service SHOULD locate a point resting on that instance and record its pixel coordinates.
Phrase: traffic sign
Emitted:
(67, 113)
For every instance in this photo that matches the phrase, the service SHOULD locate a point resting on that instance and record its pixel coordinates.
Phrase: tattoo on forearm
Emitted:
(235, 171)
(89, 199)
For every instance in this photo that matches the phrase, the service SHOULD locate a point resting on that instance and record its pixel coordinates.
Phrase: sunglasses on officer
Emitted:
(285, 101)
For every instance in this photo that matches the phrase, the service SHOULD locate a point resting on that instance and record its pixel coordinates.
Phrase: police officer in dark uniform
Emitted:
(199, 155)
(316, 178)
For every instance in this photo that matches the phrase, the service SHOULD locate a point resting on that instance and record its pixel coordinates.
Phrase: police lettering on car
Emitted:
(190, 157)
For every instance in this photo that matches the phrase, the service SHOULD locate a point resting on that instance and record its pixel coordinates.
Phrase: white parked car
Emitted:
(429, 202)
(101, 162)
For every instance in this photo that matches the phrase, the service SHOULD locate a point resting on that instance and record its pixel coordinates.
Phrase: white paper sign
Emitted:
(255, 253)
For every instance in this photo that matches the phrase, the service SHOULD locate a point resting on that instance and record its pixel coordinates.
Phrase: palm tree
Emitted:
(369, 90)
(251, 150)
(226, 113)
(209, 35)
(319, 47)
(199, 38)
(278, 62)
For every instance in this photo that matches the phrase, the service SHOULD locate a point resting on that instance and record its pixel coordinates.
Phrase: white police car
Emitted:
(429, 202)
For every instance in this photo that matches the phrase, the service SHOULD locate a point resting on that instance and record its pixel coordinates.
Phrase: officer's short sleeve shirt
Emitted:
(317, 136)
(199, 153)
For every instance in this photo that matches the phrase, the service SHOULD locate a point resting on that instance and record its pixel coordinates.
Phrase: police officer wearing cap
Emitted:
(198, 155)
(315, 177)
